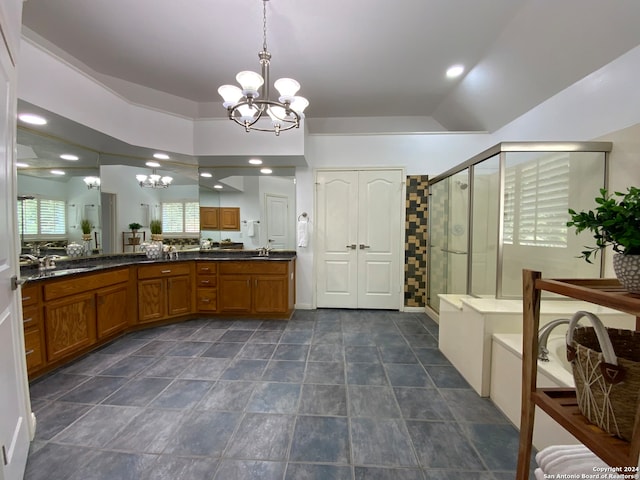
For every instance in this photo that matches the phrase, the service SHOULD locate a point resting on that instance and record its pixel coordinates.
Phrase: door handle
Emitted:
(363, 246)
(352, 246)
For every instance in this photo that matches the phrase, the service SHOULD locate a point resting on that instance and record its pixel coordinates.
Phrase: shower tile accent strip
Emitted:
(415, 245)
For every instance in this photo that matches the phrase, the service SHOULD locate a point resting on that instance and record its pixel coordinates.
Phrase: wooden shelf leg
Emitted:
(530, 325)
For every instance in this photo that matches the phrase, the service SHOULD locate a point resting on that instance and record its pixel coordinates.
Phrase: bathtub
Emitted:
(506, 383)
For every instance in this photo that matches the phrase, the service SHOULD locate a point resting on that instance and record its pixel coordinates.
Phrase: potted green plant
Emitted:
(134, 227)
(85, 226)
(615, 222)
(156, 230)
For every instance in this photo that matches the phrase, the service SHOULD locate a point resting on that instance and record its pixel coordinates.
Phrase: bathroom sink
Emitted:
(63, 271)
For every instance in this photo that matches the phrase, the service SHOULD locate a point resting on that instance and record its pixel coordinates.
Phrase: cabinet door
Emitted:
(70, 325)
(229, 218)
(34, 349)
(111, 310)
(234, 293)
(207, 299)
(209, 218)
(179, 295)
(151, 300)
(270, 294)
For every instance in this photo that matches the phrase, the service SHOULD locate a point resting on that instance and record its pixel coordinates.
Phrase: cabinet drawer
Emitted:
(30, 294)
(84, 282)
(207, 299)
(31, 316)
(207, 268)
(164, 270)
(33, 348)
(254, 267)
(207, 281)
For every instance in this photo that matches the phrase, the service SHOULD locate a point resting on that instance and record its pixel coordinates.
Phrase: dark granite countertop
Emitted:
(66, 266)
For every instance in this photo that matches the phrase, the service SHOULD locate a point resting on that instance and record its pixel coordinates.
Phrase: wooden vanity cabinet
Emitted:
(82, 310)
(32, 322)
(164, 291)
(256, 287)
(207, 287)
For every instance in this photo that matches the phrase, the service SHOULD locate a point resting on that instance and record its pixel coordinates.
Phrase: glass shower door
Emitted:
(449, 237)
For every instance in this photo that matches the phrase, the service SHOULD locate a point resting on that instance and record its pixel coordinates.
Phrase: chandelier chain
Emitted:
(264, 25)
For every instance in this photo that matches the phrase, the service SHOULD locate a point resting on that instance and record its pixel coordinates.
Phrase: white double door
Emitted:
(359, 236)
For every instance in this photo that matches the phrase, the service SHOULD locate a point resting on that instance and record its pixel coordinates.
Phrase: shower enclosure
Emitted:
(506, 209)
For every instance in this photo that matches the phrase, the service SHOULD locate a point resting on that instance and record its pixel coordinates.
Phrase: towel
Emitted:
(251, 230)
(567, 459)
(303, 233)
(553, 452)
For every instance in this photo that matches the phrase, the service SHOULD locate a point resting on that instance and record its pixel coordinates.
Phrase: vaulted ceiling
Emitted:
(353, 58)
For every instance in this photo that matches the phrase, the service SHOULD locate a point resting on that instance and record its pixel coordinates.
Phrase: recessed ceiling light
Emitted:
(152, 164)
(21, 165)
(206, 175)
(57, 172)
(218, 186)
(68, 156)
(255, 161)
(455, 71)
(161, 156)
(32, 119)
(266, 171)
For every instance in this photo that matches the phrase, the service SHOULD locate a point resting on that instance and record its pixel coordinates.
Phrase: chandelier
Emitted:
(92, 182)
(250, 105)
(154, 180)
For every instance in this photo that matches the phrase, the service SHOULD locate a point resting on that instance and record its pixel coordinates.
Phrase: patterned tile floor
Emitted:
(328, 395)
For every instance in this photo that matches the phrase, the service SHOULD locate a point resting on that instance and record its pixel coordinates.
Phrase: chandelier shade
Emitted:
(154, 180)
(92, 182)
(250, 106)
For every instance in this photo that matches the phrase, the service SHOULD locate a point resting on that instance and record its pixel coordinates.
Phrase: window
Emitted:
(536, 203)
(42, 217)
(180, 217)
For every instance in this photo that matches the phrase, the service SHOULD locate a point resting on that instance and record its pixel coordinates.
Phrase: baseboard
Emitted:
(304, 306)
(432, 314)
(413, 309)
(32, 426)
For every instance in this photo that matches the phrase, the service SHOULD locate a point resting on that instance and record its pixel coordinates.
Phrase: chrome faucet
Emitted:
(264, 251)
(543, 337)
(31, 258)
(48, 262)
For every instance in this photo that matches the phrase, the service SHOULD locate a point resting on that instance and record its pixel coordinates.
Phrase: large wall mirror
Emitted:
(68, 173)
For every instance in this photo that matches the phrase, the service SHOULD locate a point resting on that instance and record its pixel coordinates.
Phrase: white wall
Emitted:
(606, 101)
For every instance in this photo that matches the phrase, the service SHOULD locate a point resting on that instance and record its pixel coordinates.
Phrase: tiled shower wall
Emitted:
(415, 244)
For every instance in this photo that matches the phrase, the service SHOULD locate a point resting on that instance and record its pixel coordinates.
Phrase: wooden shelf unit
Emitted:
(561, 404)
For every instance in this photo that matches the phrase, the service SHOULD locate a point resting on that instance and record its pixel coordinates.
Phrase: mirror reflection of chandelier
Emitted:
(248, 105)
(154, 180)
(92, 182)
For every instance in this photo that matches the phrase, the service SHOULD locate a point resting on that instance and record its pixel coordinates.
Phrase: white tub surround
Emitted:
(506, 385)
(467, 324)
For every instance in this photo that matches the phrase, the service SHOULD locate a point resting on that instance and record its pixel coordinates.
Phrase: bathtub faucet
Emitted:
(543, 337)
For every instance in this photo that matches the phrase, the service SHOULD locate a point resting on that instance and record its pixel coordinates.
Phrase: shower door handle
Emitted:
(455, 252)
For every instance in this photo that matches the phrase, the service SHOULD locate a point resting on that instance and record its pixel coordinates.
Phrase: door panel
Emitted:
(277, 221)
(379, 238)
(337, 238)
(359, 232)
(15, 417)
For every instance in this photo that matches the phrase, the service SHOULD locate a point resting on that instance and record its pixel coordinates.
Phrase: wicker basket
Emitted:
(606, 370)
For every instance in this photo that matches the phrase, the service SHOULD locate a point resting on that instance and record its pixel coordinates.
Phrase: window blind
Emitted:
(180, 217)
